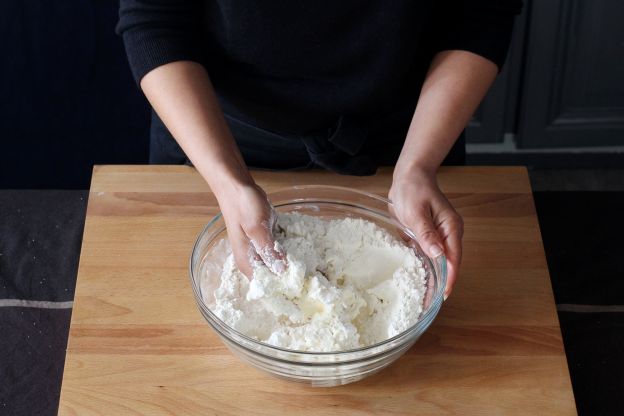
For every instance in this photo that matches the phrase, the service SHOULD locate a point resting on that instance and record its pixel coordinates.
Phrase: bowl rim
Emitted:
(424, 318)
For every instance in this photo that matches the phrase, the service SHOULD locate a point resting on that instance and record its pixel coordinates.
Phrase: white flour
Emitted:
(348, 284)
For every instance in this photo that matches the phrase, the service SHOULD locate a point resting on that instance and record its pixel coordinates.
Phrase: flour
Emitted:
(348, 284)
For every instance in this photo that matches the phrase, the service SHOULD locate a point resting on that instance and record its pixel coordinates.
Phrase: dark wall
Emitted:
(562, 86)
(67, 98)
(573, 93)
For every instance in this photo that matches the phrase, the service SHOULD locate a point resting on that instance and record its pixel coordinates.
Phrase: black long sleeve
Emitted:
(480, 26)
(156, 32)
(293, 66)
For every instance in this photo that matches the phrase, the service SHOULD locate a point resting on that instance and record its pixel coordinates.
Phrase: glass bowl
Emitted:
(315, 368)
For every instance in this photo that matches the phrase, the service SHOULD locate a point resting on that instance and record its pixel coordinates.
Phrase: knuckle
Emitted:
(428, 234)
(459, 225)
(458, 221)
(453, 220)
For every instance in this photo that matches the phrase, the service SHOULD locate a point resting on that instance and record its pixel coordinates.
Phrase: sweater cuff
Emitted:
(147, 51)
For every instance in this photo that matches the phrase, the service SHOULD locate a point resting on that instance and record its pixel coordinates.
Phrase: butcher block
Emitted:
(139, 346)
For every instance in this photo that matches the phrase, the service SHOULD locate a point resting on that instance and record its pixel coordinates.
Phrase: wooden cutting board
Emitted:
(138, 345)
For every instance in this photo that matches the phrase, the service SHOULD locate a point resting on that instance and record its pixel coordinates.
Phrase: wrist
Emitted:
(225, 178)
(414, 170)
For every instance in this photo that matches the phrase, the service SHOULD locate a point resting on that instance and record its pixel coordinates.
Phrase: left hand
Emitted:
(419, 204)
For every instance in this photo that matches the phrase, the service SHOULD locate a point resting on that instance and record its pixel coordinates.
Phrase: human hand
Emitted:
(419, 204)
(249, 218)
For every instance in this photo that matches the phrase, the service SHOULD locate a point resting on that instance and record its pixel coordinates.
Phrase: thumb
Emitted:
(426, 234)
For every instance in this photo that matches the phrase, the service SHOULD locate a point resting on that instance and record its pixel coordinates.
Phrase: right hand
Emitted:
(249, 218)
(184, 98)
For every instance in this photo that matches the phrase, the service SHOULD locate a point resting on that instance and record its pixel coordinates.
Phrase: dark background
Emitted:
(563, 85)
(67, 98)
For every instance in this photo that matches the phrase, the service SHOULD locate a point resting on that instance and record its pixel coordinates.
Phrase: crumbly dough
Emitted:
(348, 284)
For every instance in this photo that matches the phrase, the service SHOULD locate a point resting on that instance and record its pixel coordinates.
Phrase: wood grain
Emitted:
(138, 345)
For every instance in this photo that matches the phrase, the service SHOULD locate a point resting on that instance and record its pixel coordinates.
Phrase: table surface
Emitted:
(138, 344)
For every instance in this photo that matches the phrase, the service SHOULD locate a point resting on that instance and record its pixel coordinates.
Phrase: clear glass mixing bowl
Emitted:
(323, 368)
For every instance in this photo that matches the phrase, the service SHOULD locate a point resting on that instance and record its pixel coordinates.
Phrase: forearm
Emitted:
(454, 86)
(184, 99)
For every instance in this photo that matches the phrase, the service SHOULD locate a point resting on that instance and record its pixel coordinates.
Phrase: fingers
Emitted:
(241, 249)
(444, 236)
(421, 222)
(420, 205)
(261, 238)
(452, 229)
(249, 218)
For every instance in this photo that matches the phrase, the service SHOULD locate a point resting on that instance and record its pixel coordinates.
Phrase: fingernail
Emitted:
(435, 250)
(445, 297)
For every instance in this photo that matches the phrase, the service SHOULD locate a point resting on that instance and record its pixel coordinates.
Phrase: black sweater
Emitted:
(296, 65)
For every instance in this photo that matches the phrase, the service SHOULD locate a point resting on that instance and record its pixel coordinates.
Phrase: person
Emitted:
(343, 85)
